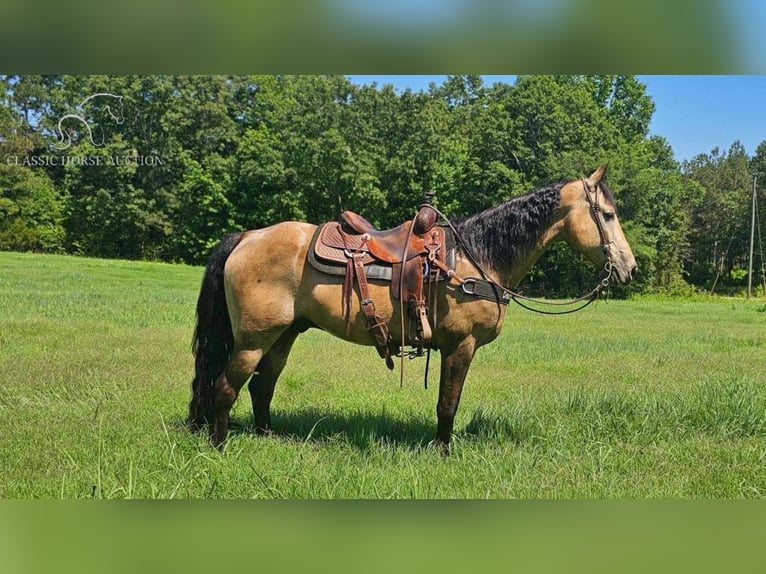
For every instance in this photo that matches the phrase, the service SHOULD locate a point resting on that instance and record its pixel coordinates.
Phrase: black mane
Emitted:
(502, 234)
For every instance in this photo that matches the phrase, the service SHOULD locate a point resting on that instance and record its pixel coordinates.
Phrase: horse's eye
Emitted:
(608, 215)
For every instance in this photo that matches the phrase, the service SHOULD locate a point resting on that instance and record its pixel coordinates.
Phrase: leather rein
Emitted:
(485, 288)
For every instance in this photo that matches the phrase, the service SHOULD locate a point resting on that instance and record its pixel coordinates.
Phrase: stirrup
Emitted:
(419, 314)
(414, 353)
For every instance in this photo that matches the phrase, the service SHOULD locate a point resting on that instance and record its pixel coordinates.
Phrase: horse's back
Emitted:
(280, 249)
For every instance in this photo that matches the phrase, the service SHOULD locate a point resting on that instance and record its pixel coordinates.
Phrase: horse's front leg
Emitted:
(454, 367)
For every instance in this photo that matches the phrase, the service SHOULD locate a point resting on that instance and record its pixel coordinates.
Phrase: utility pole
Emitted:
(752, 235)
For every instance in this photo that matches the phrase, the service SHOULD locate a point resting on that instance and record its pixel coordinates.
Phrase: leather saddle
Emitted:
(408, 256)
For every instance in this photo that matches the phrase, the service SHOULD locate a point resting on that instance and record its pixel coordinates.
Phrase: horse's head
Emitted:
(591, 225)
(113, 106)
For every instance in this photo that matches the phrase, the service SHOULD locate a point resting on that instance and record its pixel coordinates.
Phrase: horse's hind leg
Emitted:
(227, 387)
(262, 384)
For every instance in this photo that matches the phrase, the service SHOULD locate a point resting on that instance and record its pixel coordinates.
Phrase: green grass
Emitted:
(625, 399)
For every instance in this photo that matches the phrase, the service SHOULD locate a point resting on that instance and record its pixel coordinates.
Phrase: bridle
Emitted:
(485, 288)
(595, 209)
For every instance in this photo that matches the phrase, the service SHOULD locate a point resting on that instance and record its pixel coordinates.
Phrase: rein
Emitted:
(485, 288)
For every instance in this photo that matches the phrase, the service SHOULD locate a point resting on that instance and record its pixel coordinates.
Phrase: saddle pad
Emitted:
(333, 266)
(330, 244)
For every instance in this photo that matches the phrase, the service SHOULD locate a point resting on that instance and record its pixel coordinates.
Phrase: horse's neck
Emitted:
(508, 239)
(522, 264)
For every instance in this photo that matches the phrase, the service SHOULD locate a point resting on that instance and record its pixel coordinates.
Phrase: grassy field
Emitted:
(625, 399)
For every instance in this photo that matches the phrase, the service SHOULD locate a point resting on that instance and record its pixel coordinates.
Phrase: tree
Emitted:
(30, 207)
(720, 230)
(563, 128)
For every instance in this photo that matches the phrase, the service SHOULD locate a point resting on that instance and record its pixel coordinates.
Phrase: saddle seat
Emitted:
(389, 245)
(361, 225)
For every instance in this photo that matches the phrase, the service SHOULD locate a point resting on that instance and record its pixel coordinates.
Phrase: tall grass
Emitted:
(626, 399)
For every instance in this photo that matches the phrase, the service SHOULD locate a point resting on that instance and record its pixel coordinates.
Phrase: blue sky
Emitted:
(698, 113)
(694, 113)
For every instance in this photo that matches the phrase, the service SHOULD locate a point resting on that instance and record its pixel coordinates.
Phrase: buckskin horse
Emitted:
(259, 292)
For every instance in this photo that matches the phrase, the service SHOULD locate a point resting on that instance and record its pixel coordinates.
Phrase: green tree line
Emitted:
(160, 167)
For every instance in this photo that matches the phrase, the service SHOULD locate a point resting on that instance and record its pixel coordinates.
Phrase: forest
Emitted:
(160, 167)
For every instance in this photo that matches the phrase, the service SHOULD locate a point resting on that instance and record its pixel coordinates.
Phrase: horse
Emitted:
(116, 115)
(258, 294)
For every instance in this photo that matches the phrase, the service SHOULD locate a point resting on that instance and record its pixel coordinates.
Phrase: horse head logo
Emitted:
(110, 103)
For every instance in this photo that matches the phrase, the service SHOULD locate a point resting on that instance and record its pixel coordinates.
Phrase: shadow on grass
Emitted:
(362, 430)
(367, 431)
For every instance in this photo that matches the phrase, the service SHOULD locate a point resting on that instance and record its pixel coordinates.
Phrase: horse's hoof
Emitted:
(218, 440)
(441, 446)
(195, 425)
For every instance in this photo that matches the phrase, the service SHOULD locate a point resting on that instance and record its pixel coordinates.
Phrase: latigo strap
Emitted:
(375, 323)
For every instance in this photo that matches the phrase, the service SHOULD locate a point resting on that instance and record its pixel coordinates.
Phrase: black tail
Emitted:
(213, 340)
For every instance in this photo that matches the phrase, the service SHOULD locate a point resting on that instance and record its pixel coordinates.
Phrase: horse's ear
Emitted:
(598, 175)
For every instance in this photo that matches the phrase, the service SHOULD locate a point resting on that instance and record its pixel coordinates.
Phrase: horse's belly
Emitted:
(325, 307)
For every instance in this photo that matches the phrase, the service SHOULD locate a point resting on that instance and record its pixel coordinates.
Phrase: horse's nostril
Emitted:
(634, 272)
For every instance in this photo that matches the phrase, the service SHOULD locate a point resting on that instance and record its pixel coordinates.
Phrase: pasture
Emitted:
(638, 399)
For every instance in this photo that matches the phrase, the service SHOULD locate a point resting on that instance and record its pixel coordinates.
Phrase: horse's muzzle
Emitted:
(626, 275)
